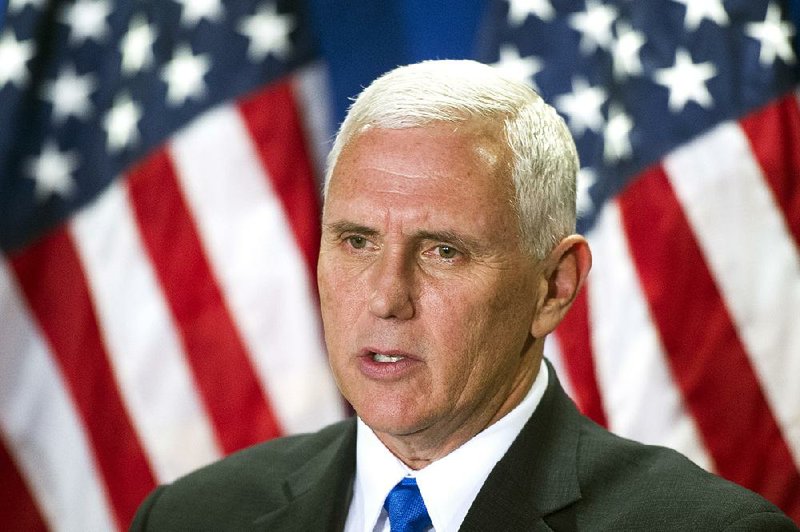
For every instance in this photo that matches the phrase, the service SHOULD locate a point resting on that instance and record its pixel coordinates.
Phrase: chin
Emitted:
(391, 421)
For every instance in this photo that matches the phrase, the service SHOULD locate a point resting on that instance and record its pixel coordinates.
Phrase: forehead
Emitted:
(456, 161)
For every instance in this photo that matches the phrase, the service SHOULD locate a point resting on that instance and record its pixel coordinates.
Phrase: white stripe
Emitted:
(41, 427)
(254, 255)
(148, 361)
(639, 394)
(552, 351)
(752, 257)
(312, 91)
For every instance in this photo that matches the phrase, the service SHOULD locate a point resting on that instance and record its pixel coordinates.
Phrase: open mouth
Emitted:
(386, 359)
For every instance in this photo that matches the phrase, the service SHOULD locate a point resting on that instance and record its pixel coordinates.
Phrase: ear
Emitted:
(564, 270)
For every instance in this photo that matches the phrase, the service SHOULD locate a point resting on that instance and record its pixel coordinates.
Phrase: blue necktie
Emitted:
(407, 512)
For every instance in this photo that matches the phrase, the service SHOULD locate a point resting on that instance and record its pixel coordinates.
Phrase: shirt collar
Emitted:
(449, 485)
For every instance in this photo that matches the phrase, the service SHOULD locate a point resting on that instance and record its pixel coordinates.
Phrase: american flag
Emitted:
(158, 221)
(687, 119)
(159, 230)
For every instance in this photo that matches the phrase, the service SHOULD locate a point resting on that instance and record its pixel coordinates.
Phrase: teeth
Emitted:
(380, 357)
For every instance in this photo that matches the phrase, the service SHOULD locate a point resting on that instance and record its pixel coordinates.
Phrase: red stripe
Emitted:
(18, 511)
(273, 120)
(705, 353)
(51, 277)
(219, 360)
(774, 134)
(576, 350)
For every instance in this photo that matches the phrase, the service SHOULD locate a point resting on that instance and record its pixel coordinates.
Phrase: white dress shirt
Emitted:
(448, 485)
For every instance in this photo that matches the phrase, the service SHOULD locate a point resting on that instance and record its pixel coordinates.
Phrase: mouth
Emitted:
(385, 355)
(383, 364)
(382, 358)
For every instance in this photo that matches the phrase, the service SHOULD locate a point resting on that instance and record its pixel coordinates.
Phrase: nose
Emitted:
(392, 287)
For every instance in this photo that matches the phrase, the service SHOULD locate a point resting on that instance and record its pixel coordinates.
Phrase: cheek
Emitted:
(484, 326)
(455, 319)
(333, 299)
(336, 287)
(342, 305)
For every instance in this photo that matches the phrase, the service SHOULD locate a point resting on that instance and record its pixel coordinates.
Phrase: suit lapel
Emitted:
(318, 494)
(538, 475)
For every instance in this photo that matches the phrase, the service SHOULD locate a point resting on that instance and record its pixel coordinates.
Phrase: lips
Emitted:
(385, 356)
(382, 364)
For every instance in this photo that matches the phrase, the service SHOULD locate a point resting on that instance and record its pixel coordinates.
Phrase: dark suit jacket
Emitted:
(562, 472)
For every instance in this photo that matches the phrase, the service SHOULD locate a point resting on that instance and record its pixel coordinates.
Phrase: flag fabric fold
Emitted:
(159, 224)
(159, 211)
(687, 120)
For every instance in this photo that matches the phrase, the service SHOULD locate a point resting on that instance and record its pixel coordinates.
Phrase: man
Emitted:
(447, 256)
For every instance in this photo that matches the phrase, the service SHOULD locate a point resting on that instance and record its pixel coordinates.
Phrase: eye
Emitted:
(447, 252)
(357, 241)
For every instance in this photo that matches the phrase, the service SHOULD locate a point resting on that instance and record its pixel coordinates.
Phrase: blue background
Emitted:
(361, 39)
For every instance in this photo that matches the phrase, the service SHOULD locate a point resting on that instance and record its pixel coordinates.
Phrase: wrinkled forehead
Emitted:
(482, 144)
(434, 172)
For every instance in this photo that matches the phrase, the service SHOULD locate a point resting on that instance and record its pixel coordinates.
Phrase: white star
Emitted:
(519, 10)
(121, 123)
(184, 75)
(137, 45)
(775, 36)
(523, 69)
(583, 106)
(194, 10)
(69, 94)
(268, 33)
(586, 179)
(87, 20)
(16, 6)
(616, 137)
(595, 25)
(13, 56)
(52, 171)
(625, 51)
(686, 81)
(697, 10)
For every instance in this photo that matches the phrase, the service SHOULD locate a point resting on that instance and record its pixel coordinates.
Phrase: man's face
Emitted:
(427, 299)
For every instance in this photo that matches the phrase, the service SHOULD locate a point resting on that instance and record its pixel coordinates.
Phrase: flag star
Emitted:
(121, 123)
(775, 35)
(137, 45)
(14, 55)
(519, 10)
(268, 32)
(16, 6)
(696, 11)
(194, 10)
(595, 26)
(52, 171)
(184, 75)
(87, 20)
(69, 94)
(616, 137)
(625, 51)
(583, 106)
(686, 81)
(511, 65)
(586, 179)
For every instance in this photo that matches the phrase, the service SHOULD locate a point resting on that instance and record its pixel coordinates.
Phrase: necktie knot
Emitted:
(406, 509)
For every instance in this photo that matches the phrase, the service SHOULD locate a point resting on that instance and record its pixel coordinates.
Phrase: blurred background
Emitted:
(159, 207)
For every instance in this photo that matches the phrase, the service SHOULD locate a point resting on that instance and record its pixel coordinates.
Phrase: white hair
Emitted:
(544, 162)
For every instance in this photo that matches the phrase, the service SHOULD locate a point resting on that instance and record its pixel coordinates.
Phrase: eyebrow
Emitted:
(341, 227)
(458, 240)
